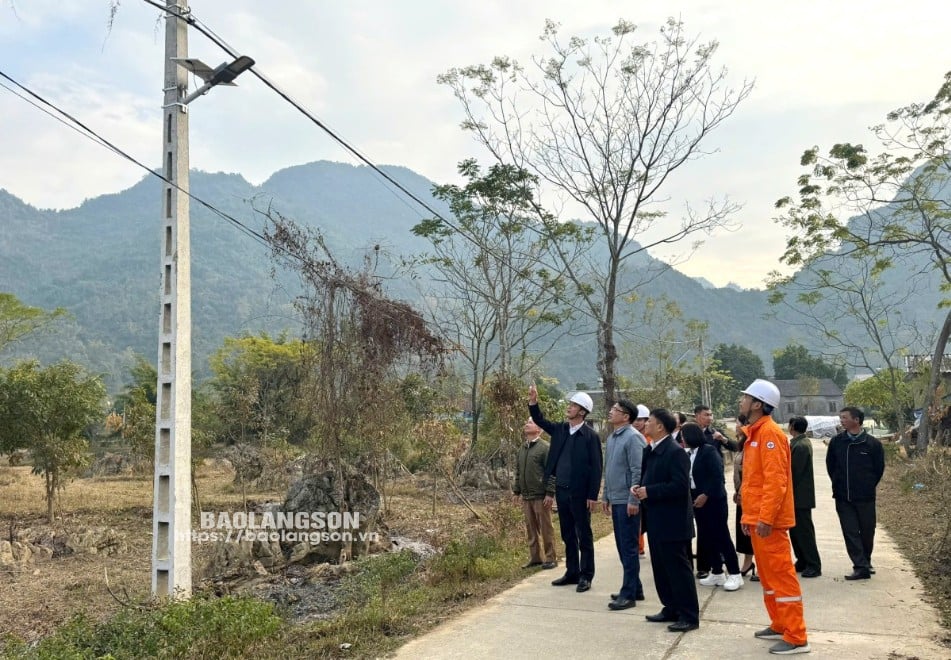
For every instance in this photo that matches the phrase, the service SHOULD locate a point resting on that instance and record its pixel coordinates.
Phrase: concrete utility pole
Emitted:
(171, 521)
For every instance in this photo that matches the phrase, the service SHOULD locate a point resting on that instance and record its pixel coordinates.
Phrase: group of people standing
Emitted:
(662, 475)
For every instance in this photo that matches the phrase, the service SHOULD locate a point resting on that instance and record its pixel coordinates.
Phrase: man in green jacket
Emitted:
(803, 535)
(530, 490)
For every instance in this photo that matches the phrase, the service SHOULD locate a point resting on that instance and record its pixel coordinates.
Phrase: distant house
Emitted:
(808, 396)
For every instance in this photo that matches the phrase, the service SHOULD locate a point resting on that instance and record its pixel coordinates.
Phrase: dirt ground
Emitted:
(33, 602)
(913, 506)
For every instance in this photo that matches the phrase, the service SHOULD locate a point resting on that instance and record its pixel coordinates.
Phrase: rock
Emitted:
(419, 549)
(327, 516)
(110, 464)
(18, 457)
(6, 554)
(343, 508)
(96, 540)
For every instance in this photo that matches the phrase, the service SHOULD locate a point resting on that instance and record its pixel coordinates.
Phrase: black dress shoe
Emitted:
(811, 573)
(660, 617)
(682, 626)
(639, 596)
(548, 565)
(563, 580)
(622, 604)
(583, 585)
(532, 564)
(858, 574)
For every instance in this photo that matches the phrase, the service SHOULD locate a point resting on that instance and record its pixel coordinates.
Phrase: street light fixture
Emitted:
(223, 74)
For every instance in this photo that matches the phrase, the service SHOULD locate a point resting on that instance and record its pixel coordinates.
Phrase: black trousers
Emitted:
(857, 520)
(713, 535)
(701, 558)
(743, 542)
(673, 578)
(803, 537)
(574, 520)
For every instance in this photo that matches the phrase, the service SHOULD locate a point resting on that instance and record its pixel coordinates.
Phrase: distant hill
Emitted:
(100, 261)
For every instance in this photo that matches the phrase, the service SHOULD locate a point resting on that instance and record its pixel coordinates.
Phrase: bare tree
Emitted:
(359, 342)
(603, 124)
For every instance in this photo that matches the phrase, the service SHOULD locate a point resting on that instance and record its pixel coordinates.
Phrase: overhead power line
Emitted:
(75, 124)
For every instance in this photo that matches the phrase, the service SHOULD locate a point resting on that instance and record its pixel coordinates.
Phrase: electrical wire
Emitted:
(91, 134)
(199, 25)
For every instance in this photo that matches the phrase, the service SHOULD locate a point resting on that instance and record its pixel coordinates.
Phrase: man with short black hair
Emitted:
(803, 535)
(704, 418)
(574, 461)
(856, 462)
(622, 469)
(664, 493)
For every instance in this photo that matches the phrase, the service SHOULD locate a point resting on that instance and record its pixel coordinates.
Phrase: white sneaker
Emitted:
(733, 582)
(714, 580)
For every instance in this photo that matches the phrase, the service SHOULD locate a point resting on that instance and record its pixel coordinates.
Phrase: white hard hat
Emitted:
(642, 411)
(765, 391)
(582, 400)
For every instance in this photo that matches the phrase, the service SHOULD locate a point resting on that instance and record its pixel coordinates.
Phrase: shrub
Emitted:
(198, 628)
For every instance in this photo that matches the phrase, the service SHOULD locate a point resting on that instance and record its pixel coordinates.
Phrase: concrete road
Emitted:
(884, 617)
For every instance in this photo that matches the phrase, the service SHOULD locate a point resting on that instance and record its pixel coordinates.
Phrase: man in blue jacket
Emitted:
(856, 462)
(574, 460)
(622, 469)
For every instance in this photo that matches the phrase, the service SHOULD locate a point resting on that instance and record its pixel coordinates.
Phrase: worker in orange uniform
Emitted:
(768, 514)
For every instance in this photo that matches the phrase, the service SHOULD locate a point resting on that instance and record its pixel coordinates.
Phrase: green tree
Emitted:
(256, 382)
(794, 362)
(740, 363)
(49, 411)
(877, 207)
(603, 124)
(136, 405)
(501, 309)
(877, 396)
(741, 366)
(18, 320)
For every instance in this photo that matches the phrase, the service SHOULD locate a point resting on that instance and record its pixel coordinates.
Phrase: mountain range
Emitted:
(100, 261)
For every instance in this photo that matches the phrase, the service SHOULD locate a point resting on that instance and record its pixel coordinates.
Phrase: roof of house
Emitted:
(794, 388)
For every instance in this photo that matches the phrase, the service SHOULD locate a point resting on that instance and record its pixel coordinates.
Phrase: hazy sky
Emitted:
(824, 72)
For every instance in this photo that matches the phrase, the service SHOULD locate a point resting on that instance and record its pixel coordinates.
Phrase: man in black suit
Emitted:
(667, 512)
(574, 460)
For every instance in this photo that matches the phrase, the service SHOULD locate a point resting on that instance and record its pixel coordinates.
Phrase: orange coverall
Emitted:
(767, 496)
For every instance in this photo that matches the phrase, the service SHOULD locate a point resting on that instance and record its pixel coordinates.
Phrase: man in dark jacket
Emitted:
(574, 464)
(856, 462)
(664, 493)
(803, 535)
(530, 491)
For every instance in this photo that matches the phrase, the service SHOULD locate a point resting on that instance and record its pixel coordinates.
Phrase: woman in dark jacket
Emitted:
(710, 510)
(743, 543)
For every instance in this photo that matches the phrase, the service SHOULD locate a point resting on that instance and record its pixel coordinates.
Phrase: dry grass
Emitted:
(36, 601)
(913, 506)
